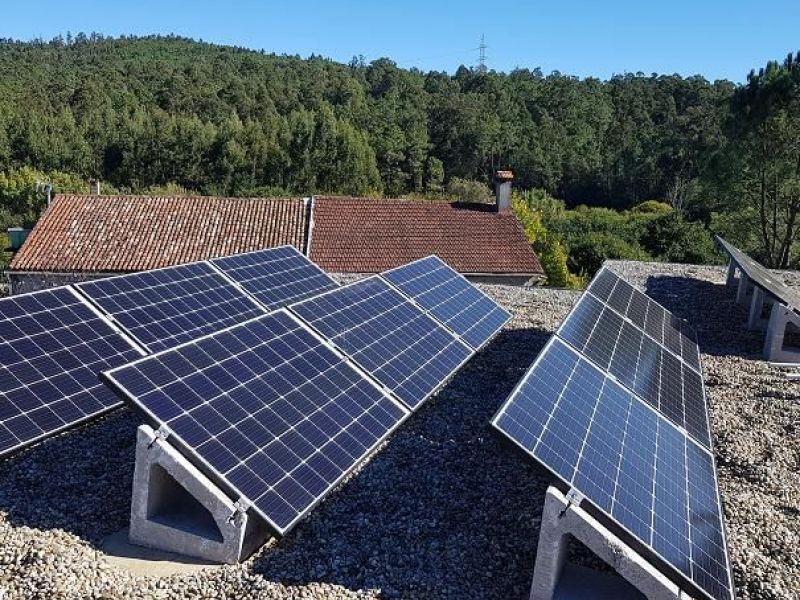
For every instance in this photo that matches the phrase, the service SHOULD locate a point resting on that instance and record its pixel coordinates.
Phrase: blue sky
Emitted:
(720, 39)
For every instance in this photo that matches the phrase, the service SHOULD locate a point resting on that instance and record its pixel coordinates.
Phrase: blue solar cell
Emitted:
(167, 307)
(267, 407)
(578, 326)
(603, 284)
(450, 298)
(276, 277)
(602, 453)
(621, 297)
(52, 346)
(670, 526)
(627, 460)
(638, 361)
(668, 330)
(560, 443)
(710, 559)
(388, 336)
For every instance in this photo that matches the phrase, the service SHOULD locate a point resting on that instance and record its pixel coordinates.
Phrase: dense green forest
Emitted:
(144, 113)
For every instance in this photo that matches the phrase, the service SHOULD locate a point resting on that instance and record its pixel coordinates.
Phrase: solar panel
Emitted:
(761, 276)
(639, 363)
(265, 407)
(166, 307)
(52, 346)
(276, 277)
(673, 333)
(386, 335)
(628, 460)
(450, 298)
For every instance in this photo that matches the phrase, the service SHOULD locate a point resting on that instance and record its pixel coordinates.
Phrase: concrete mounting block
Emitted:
(175, 507)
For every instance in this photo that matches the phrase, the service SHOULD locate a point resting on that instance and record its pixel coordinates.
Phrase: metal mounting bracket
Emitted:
(240, 508)
(160, 434)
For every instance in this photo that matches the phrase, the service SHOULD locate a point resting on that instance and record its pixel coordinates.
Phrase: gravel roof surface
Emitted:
(446, 509)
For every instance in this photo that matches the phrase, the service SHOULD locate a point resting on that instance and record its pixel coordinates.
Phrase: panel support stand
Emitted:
(175, 507)
(731, 279)
(759, 299)
(774, 345)
(554, 578)
(743, 289)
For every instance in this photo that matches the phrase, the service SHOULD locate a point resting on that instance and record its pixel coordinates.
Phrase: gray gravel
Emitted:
(446, 509)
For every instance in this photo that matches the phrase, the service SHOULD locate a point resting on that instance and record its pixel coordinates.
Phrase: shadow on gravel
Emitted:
(709, 307)
(445, 510)
(79, 481)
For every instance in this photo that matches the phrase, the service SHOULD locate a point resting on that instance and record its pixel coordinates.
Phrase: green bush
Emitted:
(574, 224)
(168, 189)
(21, 203)
(550, 250)
(587, 252)
(554, 258)
(674, 239)
(738, 229)
(468, 190)
(539, 200)
(652, 207)
(5, 257)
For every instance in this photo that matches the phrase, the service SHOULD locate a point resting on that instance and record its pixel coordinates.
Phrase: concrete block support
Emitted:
(731, 279)
(775, 349)
(744, 288)
(758, 301)
(562, 519)
(175, 507)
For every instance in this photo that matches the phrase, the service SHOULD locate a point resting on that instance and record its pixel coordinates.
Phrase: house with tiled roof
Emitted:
(370, 235)
(85, 237)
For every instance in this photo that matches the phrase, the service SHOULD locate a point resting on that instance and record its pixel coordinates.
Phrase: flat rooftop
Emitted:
(446, 509)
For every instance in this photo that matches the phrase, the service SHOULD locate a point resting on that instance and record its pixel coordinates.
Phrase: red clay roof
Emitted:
(363, 235)
(133, 233)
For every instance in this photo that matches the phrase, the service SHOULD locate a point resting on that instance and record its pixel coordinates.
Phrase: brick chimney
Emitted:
(502, 190)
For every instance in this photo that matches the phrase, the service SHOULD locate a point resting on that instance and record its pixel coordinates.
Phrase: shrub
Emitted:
(674, 239)
(553, 257)
(738, 228)
(468, 190)
(587, 252)
(262, 191)
(574, 224)
(168, 189)
(21, 201)
(539, 200)
(652, 207)
(550, 250)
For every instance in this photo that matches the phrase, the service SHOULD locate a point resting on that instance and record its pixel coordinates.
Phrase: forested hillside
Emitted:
(144, 112)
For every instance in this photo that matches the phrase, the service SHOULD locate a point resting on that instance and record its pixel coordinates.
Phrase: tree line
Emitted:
(143, 112)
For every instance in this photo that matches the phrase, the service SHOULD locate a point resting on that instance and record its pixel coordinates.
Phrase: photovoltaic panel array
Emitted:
(166, 307)
(761, 276)
(673, 333)
(266, 408)
(155, 310)
(52, 347)
(389, 337)
(628, 460)
(639, 363)
(276, 277)
(450, 298)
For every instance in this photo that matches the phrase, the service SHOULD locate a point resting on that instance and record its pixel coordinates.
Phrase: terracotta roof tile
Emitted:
(363, 235)
(133, 233)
